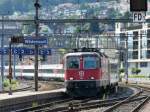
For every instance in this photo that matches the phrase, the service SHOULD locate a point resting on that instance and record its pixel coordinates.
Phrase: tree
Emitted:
(127, 15)
(136, 71)
(121, 70)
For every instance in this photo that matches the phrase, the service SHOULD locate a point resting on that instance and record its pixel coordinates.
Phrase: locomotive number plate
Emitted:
(81, 74)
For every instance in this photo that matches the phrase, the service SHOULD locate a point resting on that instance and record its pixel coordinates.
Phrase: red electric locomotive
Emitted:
(86, 72)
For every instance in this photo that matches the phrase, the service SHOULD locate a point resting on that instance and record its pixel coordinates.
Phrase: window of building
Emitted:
(135, 55)
(148, 34)
(143, 64)
(148, 43)
(148, 53)
(130, 53)
(135, 44)
(123, 36)
(143, 54)
(135, 35)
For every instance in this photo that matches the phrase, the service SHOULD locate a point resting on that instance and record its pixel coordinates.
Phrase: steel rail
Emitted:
(138, 108)
(87, 106)
(42, 105)
(39, 108)
(122, 102)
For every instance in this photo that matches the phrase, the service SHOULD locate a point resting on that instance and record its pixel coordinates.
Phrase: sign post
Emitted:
(139, 8)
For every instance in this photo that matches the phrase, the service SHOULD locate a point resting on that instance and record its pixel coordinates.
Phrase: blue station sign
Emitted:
(35, 41)
(25, 51)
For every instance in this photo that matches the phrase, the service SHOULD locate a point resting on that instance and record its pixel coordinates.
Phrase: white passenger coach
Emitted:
(44, 71)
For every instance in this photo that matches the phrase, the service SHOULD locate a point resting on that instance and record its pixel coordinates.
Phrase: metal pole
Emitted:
(14, 64)
(2, 56)
(126, 60)
(36, 46)
(10, 69)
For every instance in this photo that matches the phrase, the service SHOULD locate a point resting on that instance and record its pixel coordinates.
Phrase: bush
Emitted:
(136, 70)
(6, 83)
(13, 82)
(121, 70)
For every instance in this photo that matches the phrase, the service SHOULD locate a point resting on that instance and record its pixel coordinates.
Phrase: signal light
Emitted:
(138, 5)
(18, 39)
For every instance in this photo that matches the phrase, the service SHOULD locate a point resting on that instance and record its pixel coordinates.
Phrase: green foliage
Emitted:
(13, 82)
(28, 28)
(136, 70)
(127, 15)
(78, 30)
(6, 83)
(138, 76)
(10, 6)
(62, 51)
(121, 70)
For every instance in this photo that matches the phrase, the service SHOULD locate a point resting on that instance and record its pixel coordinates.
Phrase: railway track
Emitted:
(133, 106)
(140, 106)
(68, 105)
(123, 104)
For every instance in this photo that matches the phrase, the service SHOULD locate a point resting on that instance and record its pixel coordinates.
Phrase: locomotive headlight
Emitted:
(92, 77)
(71, 78)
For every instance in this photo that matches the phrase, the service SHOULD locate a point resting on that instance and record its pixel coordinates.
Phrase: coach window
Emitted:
(91, 62)
(45, 71)
(73, 62)
(28, 70)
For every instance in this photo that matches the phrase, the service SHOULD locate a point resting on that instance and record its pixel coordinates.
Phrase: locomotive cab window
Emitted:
(90, 62)
(73, 62)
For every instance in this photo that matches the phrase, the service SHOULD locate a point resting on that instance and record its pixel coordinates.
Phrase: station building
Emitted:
(137, 38)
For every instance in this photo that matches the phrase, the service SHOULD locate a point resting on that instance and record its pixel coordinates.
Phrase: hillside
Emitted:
(10, 6)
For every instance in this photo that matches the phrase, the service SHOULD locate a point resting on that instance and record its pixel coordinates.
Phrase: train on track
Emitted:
(88, 72)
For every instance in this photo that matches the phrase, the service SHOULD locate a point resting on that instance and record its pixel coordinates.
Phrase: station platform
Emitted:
(26, 98)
